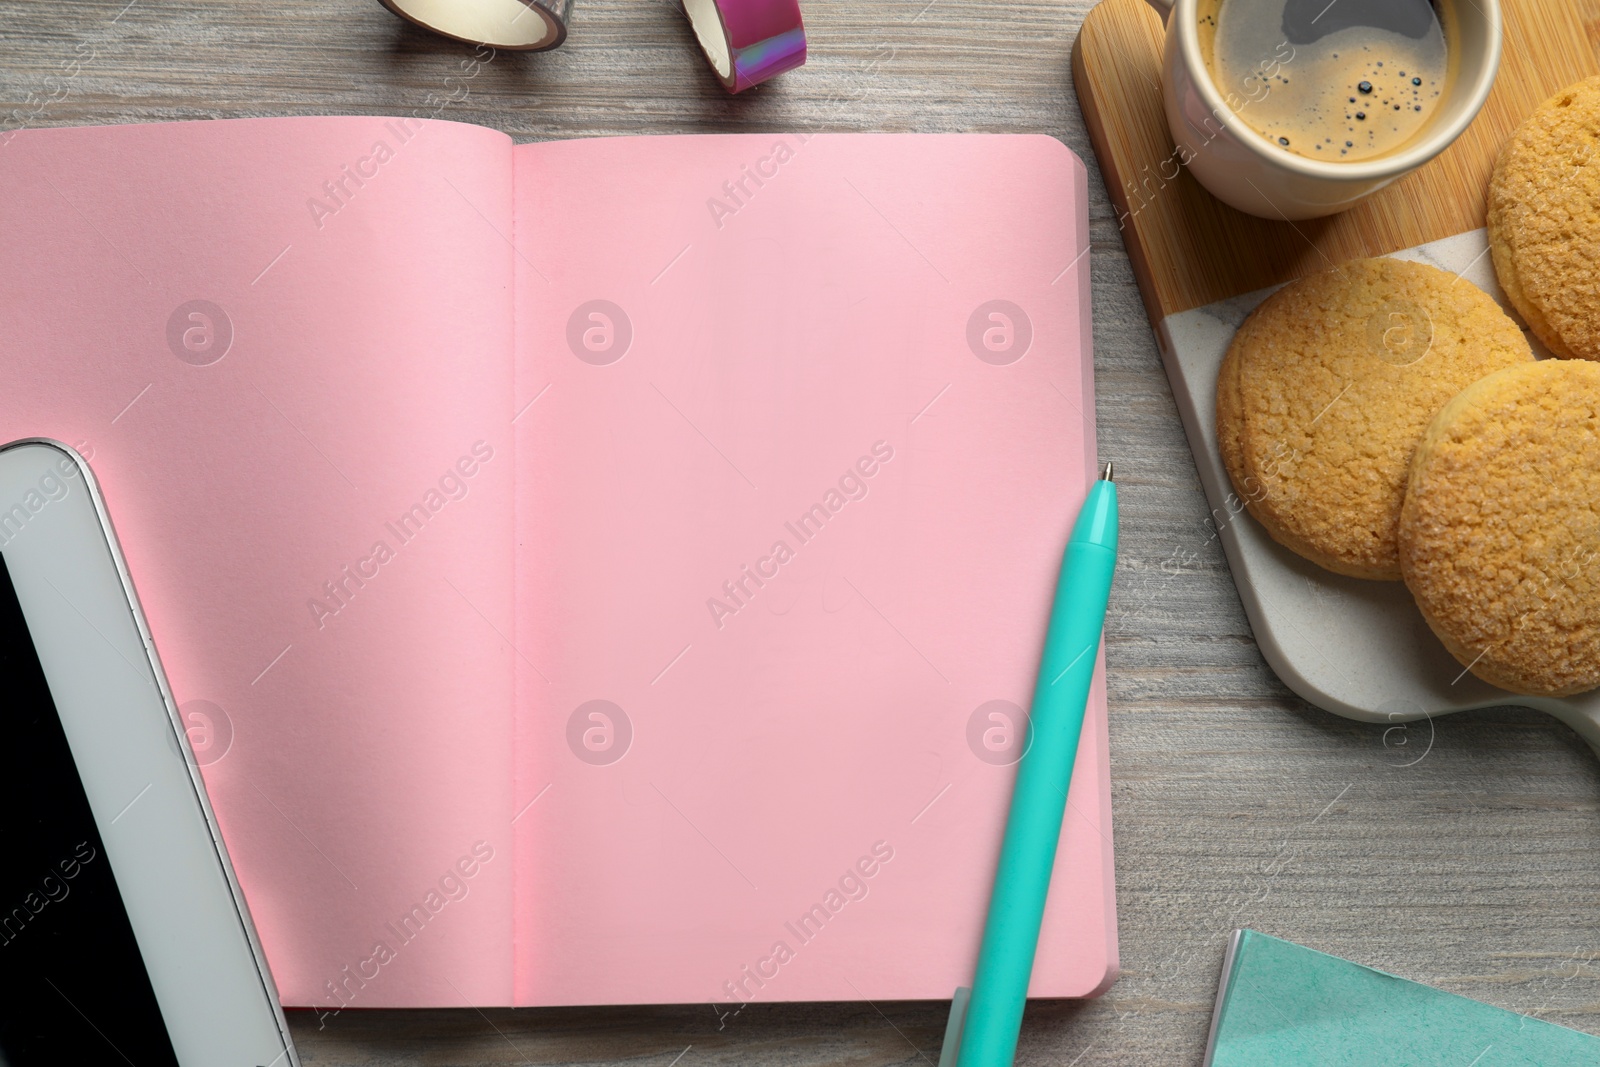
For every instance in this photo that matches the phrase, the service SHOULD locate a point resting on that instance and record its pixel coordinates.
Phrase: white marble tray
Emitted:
(1357, 648)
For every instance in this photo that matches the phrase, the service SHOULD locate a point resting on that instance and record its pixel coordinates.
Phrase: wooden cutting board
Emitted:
(1189, 249)
(1357, 648)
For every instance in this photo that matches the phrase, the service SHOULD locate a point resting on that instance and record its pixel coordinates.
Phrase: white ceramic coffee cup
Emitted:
(1240, 167)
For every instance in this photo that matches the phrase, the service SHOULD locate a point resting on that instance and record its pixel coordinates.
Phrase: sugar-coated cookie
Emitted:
(1499, 536)
(1544, 220)
(1327, 388)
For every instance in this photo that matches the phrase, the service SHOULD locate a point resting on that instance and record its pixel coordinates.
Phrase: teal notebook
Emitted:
(1281, 1004)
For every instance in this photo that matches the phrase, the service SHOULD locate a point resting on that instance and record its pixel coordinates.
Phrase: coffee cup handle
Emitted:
(1163, 7)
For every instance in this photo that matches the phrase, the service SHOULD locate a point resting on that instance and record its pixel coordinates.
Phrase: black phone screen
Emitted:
(73, 987)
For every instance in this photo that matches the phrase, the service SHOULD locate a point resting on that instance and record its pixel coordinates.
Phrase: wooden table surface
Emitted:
(1463, 852)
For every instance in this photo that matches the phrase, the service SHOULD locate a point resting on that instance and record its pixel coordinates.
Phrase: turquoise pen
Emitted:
(984, 1022)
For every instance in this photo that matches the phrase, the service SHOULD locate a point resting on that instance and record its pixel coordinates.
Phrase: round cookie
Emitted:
(1544, 220)
(1499, 535)
(1327, 388)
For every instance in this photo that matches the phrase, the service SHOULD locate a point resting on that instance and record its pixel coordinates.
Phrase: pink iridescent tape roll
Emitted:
(748, 41)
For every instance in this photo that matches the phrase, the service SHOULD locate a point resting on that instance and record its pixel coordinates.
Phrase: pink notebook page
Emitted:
(362, 751)
(354, 708)
(792, 495)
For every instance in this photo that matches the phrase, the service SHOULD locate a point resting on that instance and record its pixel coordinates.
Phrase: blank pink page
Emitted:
(346, 359)
(803, 426)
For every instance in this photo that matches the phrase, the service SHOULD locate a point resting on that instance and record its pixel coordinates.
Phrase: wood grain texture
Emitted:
(1190, 249)
(1465, 852)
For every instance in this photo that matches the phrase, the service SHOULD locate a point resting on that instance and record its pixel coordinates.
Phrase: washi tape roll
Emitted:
(517, 25)
(748, 41)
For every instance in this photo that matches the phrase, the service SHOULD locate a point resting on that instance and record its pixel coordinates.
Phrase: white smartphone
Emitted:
(123, 935)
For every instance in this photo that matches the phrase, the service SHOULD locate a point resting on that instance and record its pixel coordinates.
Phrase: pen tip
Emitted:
(1105, 474)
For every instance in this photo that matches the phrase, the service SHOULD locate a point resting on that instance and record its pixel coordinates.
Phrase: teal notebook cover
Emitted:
(1285, 1004)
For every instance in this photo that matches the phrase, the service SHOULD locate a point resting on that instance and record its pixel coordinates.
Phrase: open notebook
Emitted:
(595, 571)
